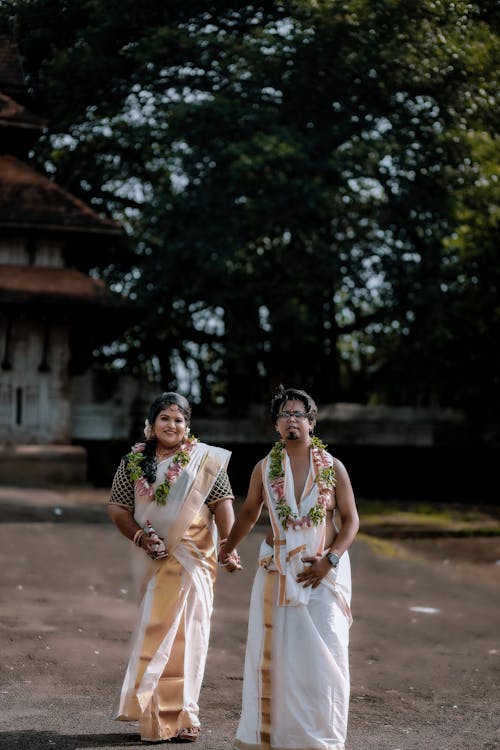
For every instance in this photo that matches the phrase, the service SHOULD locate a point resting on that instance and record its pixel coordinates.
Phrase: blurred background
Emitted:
(216, 198)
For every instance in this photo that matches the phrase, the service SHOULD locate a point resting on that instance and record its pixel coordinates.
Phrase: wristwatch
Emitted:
(333, 559)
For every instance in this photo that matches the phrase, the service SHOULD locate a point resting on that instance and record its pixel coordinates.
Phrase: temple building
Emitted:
(53, 312)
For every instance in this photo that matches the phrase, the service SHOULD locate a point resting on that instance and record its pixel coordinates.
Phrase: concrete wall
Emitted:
(34, 404)
(40, 465)
(346, 424)
(104, 406)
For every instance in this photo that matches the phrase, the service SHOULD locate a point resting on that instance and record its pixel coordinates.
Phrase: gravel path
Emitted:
(425, 643)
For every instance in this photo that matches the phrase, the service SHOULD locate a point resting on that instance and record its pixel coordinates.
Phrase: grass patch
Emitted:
(383, 547)
(411, 518)
(459, 520)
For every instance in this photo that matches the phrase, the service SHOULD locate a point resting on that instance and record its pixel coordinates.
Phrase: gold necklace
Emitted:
(167, 452)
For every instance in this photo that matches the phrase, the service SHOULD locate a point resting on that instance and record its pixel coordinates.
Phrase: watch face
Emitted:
(333, 558)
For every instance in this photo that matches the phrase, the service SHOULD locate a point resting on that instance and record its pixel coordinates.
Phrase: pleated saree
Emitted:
(170, 642)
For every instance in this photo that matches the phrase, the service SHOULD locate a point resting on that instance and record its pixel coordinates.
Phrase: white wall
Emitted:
(34, 405)
(96, 418)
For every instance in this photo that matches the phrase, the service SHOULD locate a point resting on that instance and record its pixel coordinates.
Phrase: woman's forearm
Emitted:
(123, 520)
(224, 517)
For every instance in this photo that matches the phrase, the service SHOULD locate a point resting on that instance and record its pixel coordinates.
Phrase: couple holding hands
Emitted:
(171, 496)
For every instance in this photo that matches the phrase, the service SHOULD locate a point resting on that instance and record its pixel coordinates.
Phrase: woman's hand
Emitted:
(317, 567)
(150, 545)
(229, 560)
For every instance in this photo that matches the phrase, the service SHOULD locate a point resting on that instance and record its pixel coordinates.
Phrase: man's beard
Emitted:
(292, 435)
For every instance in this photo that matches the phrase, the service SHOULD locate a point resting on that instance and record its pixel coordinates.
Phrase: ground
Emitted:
(425, 643)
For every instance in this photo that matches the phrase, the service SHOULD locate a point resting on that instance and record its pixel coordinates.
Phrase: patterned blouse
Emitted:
(122, 489)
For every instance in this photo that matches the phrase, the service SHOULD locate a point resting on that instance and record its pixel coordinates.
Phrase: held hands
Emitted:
(230, 561)
(317, 567)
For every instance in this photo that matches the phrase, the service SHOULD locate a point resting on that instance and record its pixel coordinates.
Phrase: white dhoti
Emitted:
(296, 682)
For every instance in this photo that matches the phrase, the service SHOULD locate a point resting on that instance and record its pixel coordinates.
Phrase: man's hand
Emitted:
(230, 561)
(315, 569)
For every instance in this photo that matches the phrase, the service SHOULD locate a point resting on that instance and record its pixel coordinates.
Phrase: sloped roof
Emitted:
(13, 114)
(29, 200)
(29, 284)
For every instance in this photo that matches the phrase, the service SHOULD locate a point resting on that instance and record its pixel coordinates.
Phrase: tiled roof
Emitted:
(32, 284)
(13, 114)
(29, 200)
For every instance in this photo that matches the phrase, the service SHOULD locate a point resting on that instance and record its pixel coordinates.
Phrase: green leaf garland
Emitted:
(325, 479)
(180, 460)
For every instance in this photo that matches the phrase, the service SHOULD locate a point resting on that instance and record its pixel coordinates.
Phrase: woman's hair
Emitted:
(293, 394)
(161, 402)
(166, 399)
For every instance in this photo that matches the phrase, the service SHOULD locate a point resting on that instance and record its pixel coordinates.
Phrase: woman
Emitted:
(171, 497)
(296, 678)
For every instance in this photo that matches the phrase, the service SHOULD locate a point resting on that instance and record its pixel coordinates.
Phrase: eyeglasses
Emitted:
(292, 415)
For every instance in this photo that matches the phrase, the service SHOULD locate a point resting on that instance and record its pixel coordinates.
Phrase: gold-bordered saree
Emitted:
(170, 642)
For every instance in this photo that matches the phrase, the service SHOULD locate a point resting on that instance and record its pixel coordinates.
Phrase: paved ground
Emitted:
(425, 644)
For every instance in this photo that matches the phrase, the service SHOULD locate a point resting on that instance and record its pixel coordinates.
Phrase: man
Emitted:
(296, 678)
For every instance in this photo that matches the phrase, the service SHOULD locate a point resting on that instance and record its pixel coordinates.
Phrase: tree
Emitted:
(291, 176)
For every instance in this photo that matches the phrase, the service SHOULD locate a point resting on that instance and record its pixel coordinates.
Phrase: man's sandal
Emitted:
(190, 734)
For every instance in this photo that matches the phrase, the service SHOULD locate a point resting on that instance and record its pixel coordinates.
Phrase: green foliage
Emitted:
(309, 187)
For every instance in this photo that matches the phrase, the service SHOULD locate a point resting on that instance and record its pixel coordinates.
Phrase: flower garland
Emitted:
(180, 460)
(325, 479)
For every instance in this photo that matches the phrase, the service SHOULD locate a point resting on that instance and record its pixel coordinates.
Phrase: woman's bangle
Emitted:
(221, 544)
(138, 536)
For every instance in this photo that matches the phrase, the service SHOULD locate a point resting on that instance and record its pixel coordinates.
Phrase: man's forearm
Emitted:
(245, 522)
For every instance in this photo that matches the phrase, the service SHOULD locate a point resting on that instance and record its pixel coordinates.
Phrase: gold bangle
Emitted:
(138, 536)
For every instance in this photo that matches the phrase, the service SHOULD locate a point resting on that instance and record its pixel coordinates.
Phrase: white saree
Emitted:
(296, 677)
(170, 642)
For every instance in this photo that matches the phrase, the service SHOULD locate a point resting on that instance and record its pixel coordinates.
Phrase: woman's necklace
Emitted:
(182, 457)
(325, 479)
(161, 455)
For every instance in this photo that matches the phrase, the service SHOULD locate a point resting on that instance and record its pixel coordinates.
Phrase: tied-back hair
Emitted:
(166, 399)
(161, 402)
(293, 394)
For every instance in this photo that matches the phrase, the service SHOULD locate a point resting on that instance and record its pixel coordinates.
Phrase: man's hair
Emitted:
(293, 394)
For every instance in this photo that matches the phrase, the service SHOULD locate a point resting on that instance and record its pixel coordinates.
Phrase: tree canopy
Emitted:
(309, 188)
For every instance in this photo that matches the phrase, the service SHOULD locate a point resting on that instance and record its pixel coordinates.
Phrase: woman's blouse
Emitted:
(122, 489)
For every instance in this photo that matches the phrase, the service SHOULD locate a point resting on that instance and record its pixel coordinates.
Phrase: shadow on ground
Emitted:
(37, 740)
(31, 740)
